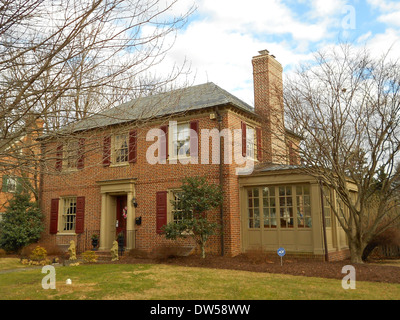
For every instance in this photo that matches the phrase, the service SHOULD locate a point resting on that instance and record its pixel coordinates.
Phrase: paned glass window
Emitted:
(253, 208)
(71, 154)
(121, 148)
(286, 207)
(269, 207)
(303, 206)
(69, 214)
(181, 140)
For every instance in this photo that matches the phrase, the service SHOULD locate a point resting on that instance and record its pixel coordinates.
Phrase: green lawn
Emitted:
(162, 282)
(10, 263)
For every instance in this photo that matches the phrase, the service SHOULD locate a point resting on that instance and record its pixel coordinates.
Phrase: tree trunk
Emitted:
(203, 251)
(356, 250)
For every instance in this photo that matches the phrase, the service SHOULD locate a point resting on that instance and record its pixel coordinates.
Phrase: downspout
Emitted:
(323, 222)
(221, 179)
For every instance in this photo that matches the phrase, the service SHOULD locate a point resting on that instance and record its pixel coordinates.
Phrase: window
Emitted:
(71, 154)
(303, 206)
(10, 184)
(274, 207)
(286, 207)
(269, 207)
(121, 149)
(176, 211)
(327, 207)
(68, 214)
(254, 208)
(175, 208)
(180, 140)
(251, 144)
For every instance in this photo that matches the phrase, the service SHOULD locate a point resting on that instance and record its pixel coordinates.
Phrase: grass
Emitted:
(162, 282)
(10, 263)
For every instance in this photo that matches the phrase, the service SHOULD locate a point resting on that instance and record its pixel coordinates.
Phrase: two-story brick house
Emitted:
(119, 171)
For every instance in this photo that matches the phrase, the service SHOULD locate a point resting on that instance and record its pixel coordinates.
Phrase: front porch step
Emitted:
(106, 255)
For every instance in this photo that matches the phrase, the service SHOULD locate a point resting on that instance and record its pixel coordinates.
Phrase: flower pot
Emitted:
(95, 242)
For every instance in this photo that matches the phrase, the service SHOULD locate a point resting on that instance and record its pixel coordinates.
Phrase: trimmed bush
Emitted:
(38, 254)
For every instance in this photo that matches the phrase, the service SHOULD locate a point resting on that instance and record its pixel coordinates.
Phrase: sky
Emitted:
(222, 36)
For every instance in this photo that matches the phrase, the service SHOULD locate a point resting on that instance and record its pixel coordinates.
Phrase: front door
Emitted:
(122, 211)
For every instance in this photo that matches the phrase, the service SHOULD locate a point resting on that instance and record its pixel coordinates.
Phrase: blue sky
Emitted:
(223, 35)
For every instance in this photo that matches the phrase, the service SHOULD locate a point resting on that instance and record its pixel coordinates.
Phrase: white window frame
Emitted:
(172, 195)
(251, 142)
(70, 150)
(65, 205)
(116, 149)
(171, 209)
(12, 187)
(179, 133)
(281, 205)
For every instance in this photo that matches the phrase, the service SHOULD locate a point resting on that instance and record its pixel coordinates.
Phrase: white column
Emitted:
(130, 222)
(103, 222)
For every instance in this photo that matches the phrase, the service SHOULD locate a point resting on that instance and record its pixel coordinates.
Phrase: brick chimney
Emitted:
(268, 104)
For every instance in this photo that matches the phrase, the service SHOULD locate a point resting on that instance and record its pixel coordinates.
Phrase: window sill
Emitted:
(116, 165)
(66, 234)
(173, 159)
(251, 158)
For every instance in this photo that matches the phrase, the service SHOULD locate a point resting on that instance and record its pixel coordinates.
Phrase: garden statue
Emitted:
(114, 251)
(72, 250)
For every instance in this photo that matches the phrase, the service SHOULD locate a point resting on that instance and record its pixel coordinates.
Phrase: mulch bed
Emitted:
(297, 267)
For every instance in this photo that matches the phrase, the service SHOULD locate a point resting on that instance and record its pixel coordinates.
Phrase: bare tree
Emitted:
(65, 60)
(346, 106)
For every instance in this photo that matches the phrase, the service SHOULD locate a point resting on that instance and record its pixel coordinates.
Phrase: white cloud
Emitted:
(387, 42)
(390, 11)
(364, 37)
(384, 5)
(326, 8)
(391, 18)
(225, 34)
(260, 16)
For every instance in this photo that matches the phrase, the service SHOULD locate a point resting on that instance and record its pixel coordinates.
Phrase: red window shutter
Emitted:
(194, 138)
(106, 151)
(59, 157)
(164, 144)
(161, 210)
(259, 144)
(80, 214)
(81, 154)
(54, 216)
(244, 151)
(132, 146)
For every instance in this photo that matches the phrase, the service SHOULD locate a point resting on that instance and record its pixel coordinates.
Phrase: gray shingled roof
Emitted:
(163, 104)
(273, 167)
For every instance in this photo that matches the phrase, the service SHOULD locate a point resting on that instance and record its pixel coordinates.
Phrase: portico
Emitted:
(117, 212)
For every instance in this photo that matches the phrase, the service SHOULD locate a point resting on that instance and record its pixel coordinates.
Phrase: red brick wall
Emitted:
(150, 179)
(268, 103)
(339, 255)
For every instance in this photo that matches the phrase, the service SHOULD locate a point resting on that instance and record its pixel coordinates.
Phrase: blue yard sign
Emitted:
(281, 253)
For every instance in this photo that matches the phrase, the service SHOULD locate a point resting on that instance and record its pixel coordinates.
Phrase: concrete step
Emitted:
(105, 255)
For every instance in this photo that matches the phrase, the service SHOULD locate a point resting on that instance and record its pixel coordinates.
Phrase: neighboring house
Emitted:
(18, 170)
(114, 173)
